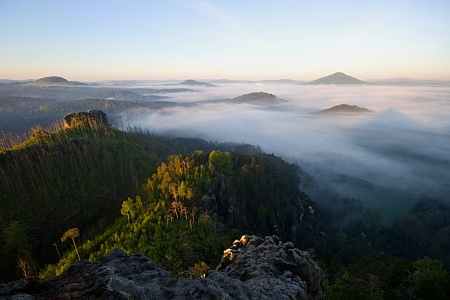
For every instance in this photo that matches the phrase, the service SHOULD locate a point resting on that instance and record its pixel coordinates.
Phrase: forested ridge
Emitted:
(182, 201)
(20, 113)
(69, 177)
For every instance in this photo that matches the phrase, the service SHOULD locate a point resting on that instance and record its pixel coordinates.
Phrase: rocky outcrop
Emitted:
(90, 117)
(271, 269)
(253, 268)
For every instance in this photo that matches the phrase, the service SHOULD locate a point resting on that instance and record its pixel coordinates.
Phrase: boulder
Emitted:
(272, 269)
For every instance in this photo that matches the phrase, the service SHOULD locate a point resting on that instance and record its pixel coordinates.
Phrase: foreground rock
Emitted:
(253, 268)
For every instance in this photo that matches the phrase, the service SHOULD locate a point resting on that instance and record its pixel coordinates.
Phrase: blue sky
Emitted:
(200, 39)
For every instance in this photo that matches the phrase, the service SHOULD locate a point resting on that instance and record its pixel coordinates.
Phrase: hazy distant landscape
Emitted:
(401, 150)
(387, 158)
(350, 169)
(221, 149)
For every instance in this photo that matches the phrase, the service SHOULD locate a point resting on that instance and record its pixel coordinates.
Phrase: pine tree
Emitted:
(72, 234)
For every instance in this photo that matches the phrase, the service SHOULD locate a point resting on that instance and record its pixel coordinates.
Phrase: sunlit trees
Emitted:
(72, 234)
(131, 208)
(128, 209)
(180, 179)
(220, 162)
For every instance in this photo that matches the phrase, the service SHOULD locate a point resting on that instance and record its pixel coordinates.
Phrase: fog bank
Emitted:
(402, 149)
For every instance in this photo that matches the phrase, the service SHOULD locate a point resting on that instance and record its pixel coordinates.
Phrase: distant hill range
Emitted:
(196, 83)
(337, 78)
(54, 80)
(344, 109)
(410, 82)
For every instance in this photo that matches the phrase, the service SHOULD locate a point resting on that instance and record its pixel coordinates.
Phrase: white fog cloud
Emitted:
(404, 143)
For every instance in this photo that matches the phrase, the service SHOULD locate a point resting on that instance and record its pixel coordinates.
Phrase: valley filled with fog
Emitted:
(388, 148)
(387, 159)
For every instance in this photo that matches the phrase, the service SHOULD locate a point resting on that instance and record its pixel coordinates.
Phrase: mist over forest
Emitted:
(198, 138)
(354, 171)
(390, 152)
(387, 159)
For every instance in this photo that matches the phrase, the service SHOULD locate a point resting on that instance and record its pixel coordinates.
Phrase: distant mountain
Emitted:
(196, 83)
(54, 80)
(344, 108)
(257, 98)
(337, 78)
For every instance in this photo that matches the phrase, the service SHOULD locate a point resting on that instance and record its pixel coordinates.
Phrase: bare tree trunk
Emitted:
(57, 250)
(76, 249)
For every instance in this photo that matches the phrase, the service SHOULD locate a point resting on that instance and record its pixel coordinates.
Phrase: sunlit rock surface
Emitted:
(91, 117)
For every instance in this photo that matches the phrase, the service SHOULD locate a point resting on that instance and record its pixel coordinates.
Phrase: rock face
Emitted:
(253, 268)
(90, 117)
(271, 269)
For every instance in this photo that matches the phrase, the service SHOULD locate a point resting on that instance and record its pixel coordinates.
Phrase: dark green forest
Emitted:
(77, 193)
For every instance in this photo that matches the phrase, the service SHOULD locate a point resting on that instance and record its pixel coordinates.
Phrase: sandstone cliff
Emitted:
(90, 117)
(253, 268)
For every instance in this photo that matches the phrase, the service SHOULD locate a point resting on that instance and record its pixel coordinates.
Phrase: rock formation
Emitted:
(271, 269)
(91, 117)
(253, 268)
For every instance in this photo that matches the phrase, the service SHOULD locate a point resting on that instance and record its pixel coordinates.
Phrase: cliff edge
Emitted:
(252, 268)
(90, 117)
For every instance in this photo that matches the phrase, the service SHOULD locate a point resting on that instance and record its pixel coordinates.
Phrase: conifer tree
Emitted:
(72, 234)
(128, 209)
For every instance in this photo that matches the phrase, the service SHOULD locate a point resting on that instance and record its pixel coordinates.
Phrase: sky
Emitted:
(89, 40)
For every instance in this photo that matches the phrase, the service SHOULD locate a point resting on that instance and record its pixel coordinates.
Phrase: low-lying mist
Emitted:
(387, 159)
